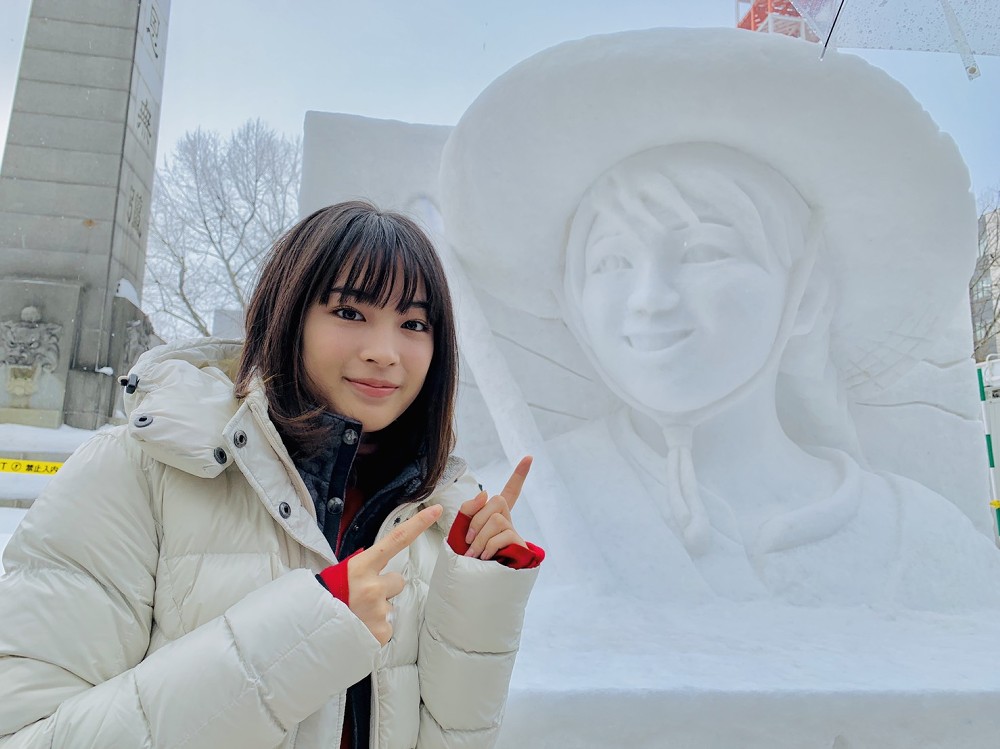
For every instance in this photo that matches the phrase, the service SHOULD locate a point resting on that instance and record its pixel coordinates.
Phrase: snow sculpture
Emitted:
(765, 259)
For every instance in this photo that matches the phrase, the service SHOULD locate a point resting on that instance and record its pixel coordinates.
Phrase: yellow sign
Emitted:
(38, 467)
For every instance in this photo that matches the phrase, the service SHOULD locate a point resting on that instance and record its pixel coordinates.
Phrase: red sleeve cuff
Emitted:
(519, 558)
(514, 556)
(456, 536)
(334, 579)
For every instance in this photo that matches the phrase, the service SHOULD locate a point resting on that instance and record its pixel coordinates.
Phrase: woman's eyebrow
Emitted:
(350, 293)
(345, 292)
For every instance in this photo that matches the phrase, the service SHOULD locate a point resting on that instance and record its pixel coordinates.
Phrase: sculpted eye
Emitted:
(417, 325)
(611, 263)
(705, 253)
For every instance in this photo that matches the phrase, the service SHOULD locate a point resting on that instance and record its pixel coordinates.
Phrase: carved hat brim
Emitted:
(899, 219)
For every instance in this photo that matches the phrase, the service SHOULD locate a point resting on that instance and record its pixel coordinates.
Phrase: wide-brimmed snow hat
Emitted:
(899, 220)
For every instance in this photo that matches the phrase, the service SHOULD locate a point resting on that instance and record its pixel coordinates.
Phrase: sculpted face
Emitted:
(679, 306)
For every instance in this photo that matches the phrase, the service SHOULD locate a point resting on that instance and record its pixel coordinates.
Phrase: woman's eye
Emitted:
(418, 325)
(705, 253)
(348, 313)
(611, 263)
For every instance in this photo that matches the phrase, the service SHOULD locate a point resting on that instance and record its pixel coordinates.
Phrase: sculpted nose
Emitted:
(653, 292)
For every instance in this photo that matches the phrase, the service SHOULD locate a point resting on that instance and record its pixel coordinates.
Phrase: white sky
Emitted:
(230, 60)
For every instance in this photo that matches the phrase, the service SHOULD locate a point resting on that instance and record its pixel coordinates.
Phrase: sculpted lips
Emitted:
(657, 340)
(373, 388)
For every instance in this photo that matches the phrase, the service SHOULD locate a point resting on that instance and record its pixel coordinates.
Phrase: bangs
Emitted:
(376, 258)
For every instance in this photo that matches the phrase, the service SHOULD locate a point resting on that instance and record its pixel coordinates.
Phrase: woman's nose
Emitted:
(381, 348)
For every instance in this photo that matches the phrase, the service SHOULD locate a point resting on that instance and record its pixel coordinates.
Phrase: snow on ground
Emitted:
(17, 439)
(20, 486)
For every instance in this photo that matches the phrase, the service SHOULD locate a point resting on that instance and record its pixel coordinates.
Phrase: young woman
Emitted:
(163, 591)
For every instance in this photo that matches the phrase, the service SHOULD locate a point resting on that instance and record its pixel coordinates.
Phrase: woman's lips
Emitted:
(657, 341)
(374, 388)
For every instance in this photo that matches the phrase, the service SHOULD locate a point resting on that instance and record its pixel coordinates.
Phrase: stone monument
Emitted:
(75, 188)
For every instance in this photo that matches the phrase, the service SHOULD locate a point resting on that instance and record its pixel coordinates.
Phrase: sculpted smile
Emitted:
(657, 340)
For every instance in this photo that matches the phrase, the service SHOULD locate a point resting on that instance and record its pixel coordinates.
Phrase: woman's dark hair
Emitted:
(367, 250)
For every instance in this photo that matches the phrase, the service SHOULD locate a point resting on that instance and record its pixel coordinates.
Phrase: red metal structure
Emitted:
(773, 17)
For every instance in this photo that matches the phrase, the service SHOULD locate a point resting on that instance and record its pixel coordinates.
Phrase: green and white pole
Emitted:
(994, 501)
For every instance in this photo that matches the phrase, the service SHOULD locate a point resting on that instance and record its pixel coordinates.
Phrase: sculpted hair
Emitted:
(360, 247)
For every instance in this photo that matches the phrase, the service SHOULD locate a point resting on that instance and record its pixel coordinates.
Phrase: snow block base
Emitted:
(602, 673)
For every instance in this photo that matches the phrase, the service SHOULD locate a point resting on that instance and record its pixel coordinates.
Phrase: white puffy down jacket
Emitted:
(161, 594)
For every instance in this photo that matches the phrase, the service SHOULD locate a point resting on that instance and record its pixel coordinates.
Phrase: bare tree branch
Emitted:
(984, 286)
(218, 205)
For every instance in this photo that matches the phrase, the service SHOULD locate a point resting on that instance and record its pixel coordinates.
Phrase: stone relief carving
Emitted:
(30, 347)
(139, 338)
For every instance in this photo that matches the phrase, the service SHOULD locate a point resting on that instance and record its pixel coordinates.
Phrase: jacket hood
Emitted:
(183, 401)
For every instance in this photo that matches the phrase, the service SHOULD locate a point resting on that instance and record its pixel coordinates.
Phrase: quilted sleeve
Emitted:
(75, 618)
(468, 642)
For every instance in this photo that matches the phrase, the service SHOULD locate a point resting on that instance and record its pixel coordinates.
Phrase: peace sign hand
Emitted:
(491, 528)
(370, 588)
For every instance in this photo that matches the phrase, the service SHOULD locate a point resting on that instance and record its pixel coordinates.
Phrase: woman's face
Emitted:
(677, 310)
(367, 362)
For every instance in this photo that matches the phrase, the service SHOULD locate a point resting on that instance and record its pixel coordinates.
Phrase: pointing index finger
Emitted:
(512, 489)
(401, 536)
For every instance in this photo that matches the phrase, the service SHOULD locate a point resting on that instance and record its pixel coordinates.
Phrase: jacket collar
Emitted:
(327, 472)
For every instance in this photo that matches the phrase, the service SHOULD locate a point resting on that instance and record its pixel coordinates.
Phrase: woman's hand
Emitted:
(491, 528)
(370, 588)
